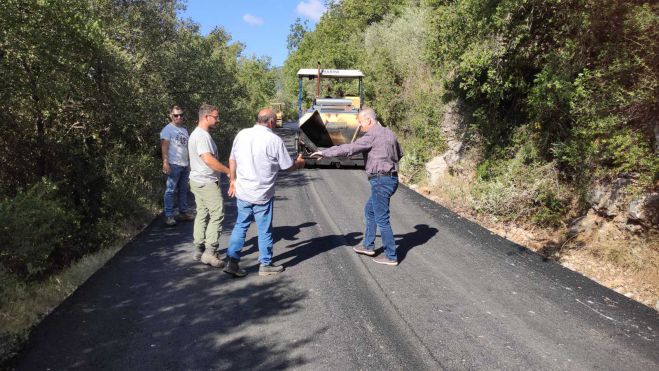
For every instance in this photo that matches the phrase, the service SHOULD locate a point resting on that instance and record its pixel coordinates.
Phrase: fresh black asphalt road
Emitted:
(462, 298)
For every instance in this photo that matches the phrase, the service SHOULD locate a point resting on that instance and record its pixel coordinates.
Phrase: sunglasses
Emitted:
(177, 115)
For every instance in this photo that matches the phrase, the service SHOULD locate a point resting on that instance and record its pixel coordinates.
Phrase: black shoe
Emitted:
(270, 269)
(233, 269)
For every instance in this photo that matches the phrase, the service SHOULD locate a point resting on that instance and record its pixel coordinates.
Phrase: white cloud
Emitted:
(311, 9)
(252, 20)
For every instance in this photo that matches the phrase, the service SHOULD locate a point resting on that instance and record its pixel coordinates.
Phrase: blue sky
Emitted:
(261, 25)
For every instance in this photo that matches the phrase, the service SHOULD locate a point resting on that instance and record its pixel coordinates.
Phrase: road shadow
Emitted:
(291, 179)
(304, 250)
(406, 242)
(152, 307)
(287, 233)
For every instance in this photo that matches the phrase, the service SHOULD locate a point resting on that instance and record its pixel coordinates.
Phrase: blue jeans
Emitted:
(248, 212)
(376, 213)
(177, 177)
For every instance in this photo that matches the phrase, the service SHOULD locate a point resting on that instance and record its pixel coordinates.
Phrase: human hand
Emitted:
(232, 189)
(299, 162)
(165, 167)
(317, 155)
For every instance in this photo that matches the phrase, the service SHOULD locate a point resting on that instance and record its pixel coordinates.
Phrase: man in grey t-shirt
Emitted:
(174, 147)
(205, 170)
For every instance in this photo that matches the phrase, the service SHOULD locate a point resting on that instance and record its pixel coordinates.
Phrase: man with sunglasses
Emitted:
(174, 147)
(205, 170)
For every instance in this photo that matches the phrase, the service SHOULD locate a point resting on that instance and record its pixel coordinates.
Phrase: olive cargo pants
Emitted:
(210, 213)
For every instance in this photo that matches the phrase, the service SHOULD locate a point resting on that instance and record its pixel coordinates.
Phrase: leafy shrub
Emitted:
(134, 185)
(521, 187)
(35, 225)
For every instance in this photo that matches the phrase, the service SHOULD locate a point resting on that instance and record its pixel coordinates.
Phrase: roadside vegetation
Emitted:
(536, 109)
(85, 87)
(540, 104)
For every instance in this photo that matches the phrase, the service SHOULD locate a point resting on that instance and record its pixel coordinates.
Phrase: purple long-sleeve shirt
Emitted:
(380, 148)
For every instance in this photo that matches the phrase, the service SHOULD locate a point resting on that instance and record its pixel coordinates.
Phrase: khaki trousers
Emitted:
(210, 213)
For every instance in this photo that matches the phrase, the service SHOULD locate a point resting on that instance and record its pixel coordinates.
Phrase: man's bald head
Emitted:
(368, 112)
(265, 116)
(367, 118)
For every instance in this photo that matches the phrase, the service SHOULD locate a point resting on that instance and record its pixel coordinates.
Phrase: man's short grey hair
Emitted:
(265, 117)
(206, 109)
(367, 112)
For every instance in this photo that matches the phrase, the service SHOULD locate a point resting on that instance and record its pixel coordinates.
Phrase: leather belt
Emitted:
(388, 173)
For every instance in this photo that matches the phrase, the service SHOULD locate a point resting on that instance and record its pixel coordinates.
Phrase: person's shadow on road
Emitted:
(304, 250)
(286, 232)
(408, 241)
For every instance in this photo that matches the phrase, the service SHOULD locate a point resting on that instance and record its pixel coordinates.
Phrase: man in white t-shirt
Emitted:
(257, 155)
(174, 147)
(205, 170)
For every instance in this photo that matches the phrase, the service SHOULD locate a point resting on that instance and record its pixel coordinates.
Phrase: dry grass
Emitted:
(626, 263)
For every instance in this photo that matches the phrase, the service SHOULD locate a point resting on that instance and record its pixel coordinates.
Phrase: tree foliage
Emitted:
(581, 74)
(85, 87)
(563, 85)
(297, 31)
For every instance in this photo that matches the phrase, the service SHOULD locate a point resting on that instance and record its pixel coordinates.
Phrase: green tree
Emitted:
(297, 31)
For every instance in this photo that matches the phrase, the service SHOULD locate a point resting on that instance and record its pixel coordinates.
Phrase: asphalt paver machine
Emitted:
(330, 120)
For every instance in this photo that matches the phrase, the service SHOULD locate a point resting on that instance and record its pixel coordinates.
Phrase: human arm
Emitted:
(298, 164)
(213, 163)
(232, 178)
(362, 144)
(164, 148)
(284, 158)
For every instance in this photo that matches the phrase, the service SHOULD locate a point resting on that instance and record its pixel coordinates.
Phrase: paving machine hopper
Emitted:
(329, 121)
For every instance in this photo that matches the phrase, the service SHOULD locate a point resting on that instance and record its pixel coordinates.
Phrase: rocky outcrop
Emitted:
(613, 202)
(453, 130)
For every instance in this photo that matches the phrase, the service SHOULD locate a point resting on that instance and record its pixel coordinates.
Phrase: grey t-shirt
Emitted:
(178, 144)
(200, 142)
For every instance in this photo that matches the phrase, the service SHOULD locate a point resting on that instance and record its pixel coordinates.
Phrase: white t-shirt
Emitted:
(259, 154)
(201, 142)
(178, 144)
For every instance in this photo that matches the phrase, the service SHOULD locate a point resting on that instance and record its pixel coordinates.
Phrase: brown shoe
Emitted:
(199, 251)
(383, 259)
(212, 260)
(363, 250)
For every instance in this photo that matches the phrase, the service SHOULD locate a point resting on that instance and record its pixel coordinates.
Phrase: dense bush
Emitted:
(36, 227)
(521, 188)
(582, 74)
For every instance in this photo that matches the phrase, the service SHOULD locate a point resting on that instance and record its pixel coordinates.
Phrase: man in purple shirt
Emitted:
(381, 155)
